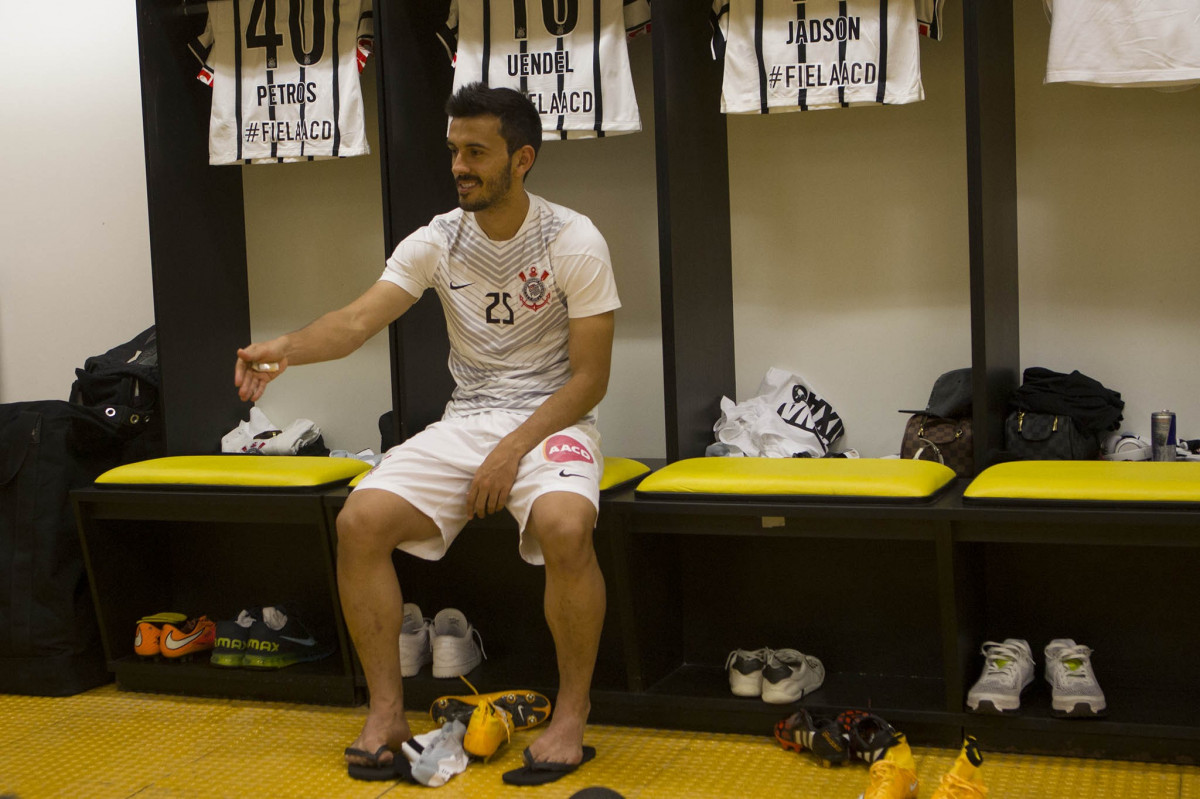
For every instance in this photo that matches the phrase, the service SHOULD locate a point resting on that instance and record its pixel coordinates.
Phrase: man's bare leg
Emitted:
(370, 526)
(574, 604)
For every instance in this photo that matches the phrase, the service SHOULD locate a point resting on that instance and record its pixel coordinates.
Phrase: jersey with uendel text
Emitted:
(570, 57)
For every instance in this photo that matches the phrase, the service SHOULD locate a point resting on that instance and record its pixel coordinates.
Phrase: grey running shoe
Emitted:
(1074, 692)
(1007, 671)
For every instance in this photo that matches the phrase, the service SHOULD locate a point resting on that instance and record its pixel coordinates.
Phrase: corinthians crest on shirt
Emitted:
(534, 291)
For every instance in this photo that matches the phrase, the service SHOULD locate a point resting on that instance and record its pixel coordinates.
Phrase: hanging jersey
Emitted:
(284, 75)
(508, 303)
(1124, 42)
(568, 56)
(800, 55)
(929, 18)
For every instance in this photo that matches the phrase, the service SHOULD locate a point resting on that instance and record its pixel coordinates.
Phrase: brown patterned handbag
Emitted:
(936, 438)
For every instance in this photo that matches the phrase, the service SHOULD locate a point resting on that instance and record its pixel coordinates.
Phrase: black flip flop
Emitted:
(540, 772)
(398, 768)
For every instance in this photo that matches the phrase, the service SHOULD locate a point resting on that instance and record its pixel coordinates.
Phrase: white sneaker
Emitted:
(457, 646)
(790, 675)
(415, 649)
(1074, 691)
(745, 667)
(1007, 672)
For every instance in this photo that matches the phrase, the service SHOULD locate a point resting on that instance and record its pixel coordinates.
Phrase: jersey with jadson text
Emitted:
(1124, 42)
(507, 303)
(284, 75)
(569, 57)
(802, 55)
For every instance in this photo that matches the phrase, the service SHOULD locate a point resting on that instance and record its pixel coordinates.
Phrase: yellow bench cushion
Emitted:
(794, 478)
(235, 471)
(1088, 481)
(617, 472)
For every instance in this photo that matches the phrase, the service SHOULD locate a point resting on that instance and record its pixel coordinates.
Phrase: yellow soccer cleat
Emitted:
(525, 708)
(964, 780)
(490, 728)
(893, 776)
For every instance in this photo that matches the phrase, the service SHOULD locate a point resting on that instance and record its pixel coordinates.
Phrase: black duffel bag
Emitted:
(49, 639)
(127, 376)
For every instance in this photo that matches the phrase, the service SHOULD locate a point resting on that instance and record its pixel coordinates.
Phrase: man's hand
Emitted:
(493, 481)
(251, 382)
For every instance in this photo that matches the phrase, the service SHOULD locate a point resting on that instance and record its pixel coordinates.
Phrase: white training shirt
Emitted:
(1124, 42)
(507, 303)
(569, 57)
(801, 55)
(285, 86)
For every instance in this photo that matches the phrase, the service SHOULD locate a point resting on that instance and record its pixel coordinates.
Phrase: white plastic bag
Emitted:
(784, 419)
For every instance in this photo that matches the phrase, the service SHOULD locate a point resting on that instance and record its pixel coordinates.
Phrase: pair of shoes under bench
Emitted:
(172, 636)
(779, 676)
(449, 641)
(1008, 670)
(266, 638)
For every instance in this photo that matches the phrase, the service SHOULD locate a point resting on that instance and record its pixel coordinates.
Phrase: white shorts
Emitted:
(433, 471)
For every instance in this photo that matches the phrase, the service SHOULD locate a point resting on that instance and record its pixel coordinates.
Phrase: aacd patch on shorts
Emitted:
(561, 449)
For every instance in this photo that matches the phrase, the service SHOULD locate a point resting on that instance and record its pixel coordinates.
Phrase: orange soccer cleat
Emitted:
(147, 638)
(194, 635)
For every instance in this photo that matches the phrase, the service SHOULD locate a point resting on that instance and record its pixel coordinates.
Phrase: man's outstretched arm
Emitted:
(590, 352)
(332, 336)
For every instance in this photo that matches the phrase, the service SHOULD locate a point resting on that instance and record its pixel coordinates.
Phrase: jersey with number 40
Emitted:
(284, 75)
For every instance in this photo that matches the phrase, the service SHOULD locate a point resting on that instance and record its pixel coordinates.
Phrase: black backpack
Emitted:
(126, 378)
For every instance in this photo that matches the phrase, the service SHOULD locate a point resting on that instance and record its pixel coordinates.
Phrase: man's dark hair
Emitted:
(519, 120)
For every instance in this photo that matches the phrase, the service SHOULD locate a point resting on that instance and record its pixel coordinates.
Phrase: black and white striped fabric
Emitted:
(508, 303)
(802, 55)
(1124, 43)
(568, 56)
(284, 75)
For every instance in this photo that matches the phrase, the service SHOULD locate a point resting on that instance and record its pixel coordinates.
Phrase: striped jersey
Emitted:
(929, 18)
(800, 55)
(1124, 43)
(569, 57)
(507, 303)
(284, 75)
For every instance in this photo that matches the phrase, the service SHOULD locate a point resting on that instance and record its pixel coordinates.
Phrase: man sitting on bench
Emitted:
(529, 295)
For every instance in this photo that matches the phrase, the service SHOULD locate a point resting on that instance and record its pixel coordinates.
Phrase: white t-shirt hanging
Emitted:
(802, 55)
(1124, 43)
(284, 75)
(568, 56)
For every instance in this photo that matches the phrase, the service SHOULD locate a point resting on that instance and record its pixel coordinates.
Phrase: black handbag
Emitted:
(49, 638)
(935, 438)
(1047, 437)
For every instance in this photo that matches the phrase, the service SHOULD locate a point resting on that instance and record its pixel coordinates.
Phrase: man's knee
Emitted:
(566, 543)
(370, 525)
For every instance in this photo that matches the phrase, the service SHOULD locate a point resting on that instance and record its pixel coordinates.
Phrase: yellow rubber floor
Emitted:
(109, 743)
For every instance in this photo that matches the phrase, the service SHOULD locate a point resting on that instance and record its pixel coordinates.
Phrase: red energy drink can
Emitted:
(1162, 436)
